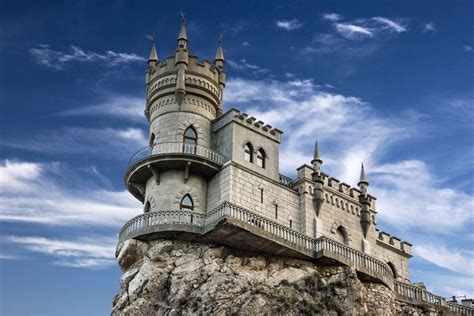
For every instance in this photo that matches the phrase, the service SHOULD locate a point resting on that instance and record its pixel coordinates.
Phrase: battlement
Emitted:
(392, 242)
(259, 126)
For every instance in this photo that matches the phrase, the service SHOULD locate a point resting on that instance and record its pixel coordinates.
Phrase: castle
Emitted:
(210, 176)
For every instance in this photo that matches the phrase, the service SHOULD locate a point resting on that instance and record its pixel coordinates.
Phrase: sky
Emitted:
(389, 83)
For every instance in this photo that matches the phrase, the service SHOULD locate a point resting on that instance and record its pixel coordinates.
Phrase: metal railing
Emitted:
(176, 148)
(286, 181)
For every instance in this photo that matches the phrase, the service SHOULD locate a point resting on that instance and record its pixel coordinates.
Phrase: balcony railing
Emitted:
(286, 181)
(176, 148)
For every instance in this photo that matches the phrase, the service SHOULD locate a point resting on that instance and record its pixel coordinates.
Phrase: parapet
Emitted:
(250, 122)
(395, 243)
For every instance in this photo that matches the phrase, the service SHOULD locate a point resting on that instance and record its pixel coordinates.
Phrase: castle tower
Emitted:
(183, 97)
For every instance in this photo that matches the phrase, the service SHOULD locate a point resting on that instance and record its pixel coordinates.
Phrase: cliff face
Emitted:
(176, 277)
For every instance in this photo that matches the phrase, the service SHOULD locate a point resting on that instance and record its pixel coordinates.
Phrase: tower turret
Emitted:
(153, 58)
(219, 63)
(181, 62)
(364, 201)
(318, 197)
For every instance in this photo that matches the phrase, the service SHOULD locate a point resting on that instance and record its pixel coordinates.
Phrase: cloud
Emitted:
(458, 260)
(244, 65)
(125, 107)
(245, 43)
(352, 31)
(331, 17)
(87, 252)
(56, 60)
(349, 131)
(390, 24)
(119, 143)
(49, 193)
(467, 48)
(289, 25)
(429, 28)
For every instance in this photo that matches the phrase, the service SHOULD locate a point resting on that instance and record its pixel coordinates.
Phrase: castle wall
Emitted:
(168, 194)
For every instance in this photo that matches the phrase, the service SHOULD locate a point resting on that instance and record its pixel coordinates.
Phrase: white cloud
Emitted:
(244, 65)
(429, 28)
(289, 25)
(390, 24)
(54, 195)
(245, 43)
(92, 252)
(72, 140)
(331, 17)
(126, 107)
(352, 31)
(458, 260)
(467, 48)
(56, 60)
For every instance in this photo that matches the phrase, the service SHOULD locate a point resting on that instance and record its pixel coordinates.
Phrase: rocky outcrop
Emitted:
(164, 277)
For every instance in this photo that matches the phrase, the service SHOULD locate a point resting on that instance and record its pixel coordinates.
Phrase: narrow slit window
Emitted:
(261, 195)
(291, 223)
(276, 211)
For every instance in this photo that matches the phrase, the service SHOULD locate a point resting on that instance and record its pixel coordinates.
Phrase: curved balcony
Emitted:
(165, 156)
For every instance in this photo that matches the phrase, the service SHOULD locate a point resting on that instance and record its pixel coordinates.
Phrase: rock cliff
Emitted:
(164, 277)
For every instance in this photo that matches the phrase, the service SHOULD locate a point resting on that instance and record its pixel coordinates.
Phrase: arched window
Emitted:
(261, 156)
(341, 235)
(190, 140)
(248, 152)
(394, 271)
(186, 203)
(147, 207)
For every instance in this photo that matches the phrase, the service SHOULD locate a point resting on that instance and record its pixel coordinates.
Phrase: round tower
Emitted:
(183, 97)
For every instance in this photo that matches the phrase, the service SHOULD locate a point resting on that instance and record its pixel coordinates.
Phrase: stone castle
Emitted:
(210, 176)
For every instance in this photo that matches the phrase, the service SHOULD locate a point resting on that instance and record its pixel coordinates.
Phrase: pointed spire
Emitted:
(182, 32)
(219, 53)
(316, 151)
(362, 179)
(153, 55)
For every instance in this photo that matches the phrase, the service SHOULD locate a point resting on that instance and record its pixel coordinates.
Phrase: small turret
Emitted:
(364, 201)
(219, 60)
(181, 62)
(219, 63)
(318, 197)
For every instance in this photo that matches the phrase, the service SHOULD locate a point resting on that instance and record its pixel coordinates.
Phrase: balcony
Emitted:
(165, 156)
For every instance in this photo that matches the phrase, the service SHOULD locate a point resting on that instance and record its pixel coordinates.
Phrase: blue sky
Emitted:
(389, 83)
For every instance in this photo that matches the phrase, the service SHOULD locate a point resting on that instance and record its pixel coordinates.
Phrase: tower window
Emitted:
(186, 203)
(261, 156)
(291, 223)
(248, 155)
(261, 195)
(147, 207)
(276, 211)
(189, 140)
(152, 139)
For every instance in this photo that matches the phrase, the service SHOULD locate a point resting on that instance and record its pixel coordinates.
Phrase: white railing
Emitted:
(176, 148)
(460, 309)
(286, 181)
(416, 293)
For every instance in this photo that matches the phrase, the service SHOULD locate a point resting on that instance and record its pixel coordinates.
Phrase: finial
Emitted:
(362, 175)
(182, 32)
(219, 53)
(153, 55)
(316, 151)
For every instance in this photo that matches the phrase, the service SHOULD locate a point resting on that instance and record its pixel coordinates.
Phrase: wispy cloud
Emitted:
(244, 65)
(429, 28)
(331, 17)
(50, 193)
(245, 43)
(390, 24)
(352, 31)
(289, 25)
(467, 48)
(458, 260)
(126, 107)
(73, 140)
(55, 59)
(91, 252)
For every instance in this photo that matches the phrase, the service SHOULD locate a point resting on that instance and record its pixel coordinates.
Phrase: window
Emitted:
(394, 271)
(341, 235)
(248, 152)
(261, 156)
(152, 139)
(261, 195)
(190, 140)
(186, 203)
(291, 223)
(276, 211)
